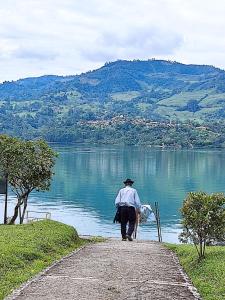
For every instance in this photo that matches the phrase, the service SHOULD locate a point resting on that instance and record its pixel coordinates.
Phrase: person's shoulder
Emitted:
(133, 189)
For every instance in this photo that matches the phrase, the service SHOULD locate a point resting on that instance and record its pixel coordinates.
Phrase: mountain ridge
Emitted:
(140, 68)
(110, 63)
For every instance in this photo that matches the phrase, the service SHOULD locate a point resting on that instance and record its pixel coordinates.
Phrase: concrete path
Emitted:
(113, 269)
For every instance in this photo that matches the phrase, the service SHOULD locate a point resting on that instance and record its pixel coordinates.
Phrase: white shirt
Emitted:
(128, 196)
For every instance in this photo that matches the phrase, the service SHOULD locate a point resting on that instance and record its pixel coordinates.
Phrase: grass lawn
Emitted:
(25, 250)
(208, 275)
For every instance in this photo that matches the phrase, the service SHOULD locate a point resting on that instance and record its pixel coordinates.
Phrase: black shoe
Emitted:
(129, 238)
(124, 238)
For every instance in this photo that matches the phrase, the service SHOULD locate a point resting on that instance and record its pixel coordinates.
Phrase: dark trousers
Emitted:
(128, 214)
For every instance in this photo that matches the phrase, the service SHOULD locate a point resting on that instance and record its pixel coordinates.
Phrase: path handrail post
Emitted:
(160, 232)
(157, 216)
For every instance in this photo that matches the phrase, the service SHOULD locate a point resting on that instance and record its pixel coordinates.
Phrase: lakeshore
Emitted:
(88, 177)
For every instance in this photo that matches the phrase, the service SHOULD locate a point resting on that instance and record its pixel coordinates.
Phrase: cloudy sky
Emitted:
(72, 36)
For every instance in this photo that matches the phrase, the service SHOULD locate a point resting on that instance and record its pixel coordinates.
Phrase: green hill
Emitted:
(74, 108)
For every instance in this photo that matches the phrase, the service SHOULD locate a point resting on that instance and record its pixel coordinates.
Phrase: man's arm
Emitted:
(118, 199)
(137, 200)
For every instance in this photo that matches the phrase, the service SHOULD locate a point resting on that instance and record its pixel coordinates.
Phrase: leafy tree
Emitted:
(29, 166)
(8, 150)
(191, 106)
(203, 219)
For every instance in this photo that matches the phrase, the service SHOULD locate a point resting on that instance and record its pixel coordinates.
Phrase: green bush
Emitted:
(203, 219)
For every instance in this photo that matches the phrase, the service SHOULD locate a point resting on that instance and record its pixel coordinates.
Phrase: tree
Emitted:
(203, 219)
(192, 106)
(29, 166)
(8, 150)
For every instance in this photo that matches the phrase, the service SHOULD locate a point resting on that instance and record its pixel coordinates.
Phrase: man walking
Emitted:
(127, 201)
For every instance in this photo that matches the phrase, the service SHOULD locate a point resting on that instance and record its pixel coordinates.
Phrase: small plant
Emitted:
(203, 220)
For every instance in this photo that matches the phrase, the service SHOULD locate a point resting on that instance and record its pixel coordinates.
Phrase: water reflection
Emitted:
(87, 179)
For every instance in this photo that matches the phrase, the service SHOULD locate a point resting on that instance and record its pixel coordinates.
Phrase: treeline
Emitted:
(175, 135)
(179, 136)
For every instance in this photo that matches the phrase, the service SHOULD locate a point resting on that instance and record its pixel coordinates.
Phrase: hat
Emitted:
(128, 180)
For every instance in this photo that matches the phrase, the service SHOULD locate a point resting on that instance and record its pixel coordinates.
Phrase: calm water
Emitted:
(87, 179)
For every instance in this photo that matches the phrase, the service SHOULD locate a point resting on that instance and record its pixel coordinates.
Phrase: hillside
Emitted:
(71, 108)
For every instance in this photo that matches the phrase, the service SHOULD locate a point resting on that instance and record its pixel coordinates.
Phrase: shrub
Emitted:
(203, 219)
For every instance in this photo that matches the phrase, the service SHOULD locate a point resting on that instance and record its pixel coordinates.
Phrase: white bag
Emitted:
(147, 214)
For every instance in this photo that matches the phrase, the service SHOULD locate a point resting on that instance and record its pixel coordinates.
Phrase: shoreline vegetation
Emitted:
(207, 275)
(28, 249)
(129, 131)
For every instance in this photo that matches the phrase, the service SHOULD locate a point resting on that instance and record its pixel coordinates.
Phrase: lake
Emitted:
(87, 179)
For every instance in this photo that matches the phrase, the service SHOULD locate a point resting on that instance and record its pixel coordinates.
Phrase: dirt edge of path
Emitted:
(35, 278)
(189, 283)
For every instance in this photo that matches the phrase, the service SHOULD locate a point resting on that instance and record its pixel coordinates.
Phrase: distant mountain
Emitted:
(156, 90)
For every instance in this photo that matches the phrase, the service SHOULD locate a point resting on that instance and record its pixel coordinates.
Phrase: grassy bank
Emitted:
(25, 250)
(208, 276)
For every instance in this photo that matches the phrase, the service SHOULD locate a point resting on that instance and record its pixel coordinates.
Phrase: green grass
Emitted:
(208, 275)
(25, 250)
(213, 100)
(182, 99)
(143, 106)
(185, 115)
(125, 96)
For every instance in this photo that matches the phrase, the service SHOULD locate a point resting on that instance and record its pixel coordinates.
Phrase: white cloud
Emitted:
(67, 37)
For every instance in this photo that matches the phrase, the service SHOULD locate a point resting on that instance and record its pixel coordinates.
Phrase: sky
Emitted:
(67, 37)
